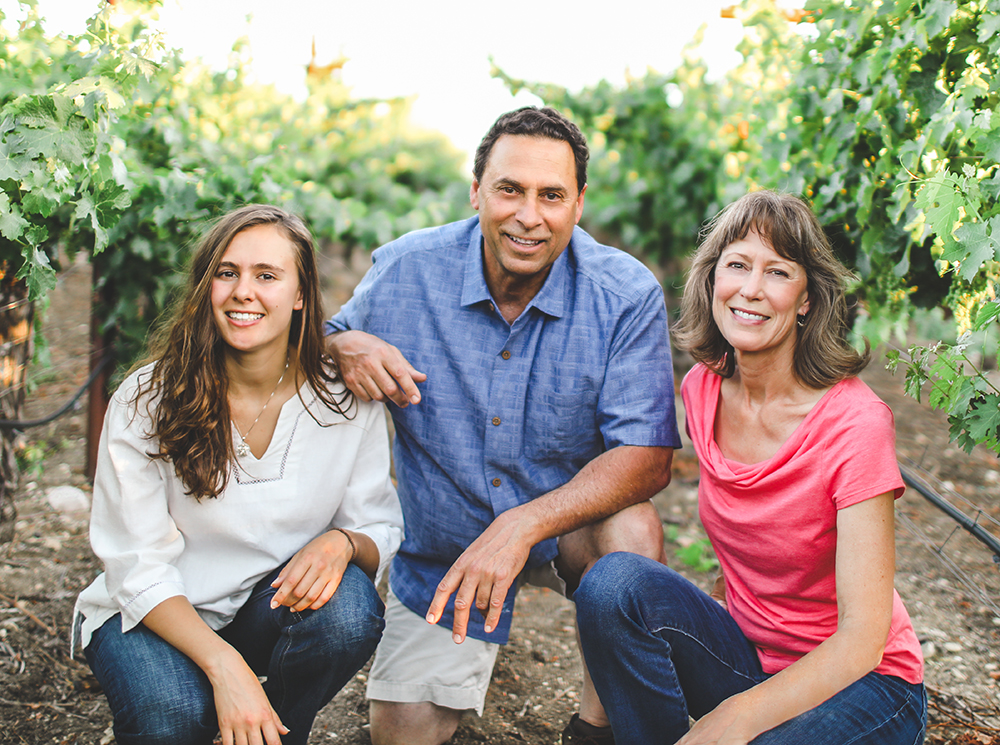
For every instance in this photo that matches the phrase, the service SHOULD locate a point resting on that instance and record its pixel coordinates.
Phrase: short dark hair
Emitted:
(823, 355)
(535, 122)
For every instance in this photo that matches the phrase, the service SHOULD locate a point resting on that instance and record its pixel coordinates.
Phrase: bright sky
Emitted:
(438, 50)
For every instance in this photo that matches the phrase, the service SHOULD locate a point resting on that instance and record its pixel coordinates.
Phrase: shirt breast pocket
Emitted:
(562, 425)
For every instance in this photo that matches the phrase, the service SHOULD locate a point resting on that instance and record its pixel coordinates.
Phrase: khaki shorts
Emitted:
(417, 661)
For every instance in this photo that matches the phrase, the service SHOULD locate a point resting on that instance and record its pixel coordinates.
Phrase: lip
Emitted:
(516, 241)
(748, 316)
(243, 317)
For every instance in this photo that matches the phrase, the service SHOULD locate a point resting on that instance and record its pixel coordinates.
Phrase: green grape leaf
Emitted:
(12, 225)
(36, 271)
(940, 200)
(977, 245)
(983, 420)
(987, 312)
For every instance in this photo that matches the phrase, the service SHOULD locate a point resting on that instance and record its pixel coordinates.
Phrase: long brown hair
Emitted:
(823, 355)
(189, 384)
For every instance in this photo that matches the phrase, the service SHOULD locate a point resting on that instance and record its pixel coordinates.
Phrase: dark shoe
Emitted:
(578, 732)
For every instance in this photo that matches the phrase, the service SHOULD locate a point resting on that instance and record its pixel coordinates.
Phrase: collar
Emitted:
(552, 299)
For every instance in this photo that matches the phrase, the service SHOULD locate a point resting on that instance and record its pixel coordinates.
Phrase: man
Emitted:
(545, 424)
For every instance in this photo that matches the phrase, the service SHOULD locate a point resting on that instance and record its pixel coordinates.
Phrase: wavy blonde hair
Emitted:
(822, 355)
(189, 383)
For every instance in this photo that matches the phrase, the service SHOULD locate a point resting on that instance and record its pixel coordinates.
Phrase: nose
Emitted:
(752, 285)
(243, 289)
(528, 214)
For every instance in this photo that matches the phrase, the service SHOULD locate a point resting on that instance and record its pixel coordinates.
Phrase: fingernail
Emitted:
(457, 638)
(487, 628)
(274, 604)
(430, 618)
(414, 399)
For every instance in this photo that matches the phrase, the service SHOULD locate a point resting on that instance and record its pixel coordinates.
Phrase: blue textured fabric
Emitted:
(508, 412)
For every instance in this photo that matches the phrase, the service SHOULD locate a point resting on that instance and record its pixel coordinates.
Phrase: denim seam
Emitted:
(896, 714)
(708, 649)
(279, 705)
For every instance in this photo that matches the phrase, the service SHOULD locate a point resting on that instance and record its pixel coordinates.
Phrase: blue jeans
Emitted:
(158, 695)
(659, 649)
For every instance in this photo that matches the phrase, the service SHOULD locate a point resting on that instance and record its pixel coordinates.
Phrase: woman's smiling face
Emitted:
(758, 296)
(255, 290)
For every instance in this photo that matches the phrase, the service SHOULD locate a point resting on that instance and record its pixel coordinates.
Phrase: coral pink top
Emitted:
(773, 525)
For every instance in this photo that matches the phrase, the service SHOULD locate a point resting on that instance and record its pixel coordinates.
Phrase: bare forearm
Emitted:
(177, 622)
(845, 657)
(616, 479)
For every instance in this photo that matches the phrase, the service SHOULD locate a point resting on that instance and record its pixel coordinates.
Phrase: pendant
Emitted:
(242, 450)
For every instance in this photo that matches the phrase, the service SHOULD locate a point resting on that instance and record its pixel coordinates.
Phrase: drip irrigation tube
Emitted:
(977, 530)
(28, 423)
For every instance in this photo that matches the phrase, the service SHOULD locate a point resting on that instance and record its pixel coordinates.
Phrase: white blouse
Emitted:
(157, 542)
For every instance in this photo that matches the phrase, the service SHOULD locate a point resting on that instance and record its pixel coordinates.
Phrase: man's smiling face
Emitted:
(528, 204)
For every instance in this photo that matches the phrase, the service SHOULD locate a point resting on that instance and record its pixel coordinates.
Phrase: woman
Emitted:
(804, 639)
(242, 507)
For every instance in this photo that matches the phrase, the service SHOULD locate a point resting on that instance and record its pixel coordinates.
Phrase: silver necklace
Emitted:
(243, 450)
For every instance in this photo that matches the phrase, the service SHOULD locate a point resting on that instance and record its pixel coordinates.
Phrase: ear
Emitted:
(579, 204)
(804, 308)
(299, 301)
(474, 195)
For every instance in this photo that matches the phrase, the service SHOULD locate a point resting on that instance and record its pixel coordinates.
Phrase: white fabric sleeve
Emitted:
(131, 530)
(370, 504)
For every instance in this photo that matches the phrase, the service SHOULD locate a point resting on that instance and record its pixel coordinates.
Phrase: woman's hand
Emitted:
(244, 712)
(310, 578)
(728, 724)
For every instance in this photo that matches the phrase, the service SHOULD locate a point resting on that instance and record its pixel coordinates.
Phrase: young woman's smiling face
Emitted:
(758, 296)
(255, 290)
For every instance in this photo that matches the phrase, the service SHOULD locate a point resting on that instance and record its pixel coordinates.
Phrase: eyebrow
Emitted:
(262, 266)
(506, 181)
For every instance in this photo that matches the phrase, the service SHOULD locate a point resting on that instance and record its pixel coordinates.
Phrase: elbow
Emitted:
(660, 470)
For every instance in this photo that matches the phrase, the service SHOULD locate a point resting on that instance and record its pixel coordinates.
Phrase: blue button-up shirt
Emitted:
(508, 412)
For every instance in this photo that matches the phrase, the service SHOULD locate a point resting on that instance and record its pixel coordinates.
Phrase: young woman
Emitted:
(804, 639)
(242, 508)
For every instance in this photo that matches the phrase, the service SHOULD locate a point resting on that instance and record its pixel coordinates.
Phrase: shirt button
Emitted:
(496, 421)
(505, 354)
(496, 482)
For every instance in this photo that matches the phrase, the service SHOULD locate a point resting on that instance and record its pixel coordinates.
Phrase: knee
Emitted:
(419, 723)
(166, 718)
(607, 587)
(351, 622)
(637, 529)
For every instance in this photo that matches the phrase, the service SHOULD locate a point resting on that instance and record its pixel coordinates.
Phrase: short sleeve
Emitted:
(862, 449)
(636, 404)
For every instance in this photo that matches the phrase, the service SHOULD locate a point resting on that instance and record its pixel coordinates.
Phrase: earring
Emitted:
(801, 320)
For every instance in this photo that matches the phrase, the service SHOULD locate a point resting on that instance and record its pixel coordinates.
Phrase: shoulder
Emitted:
(426, 242)
(697, 379)
(851, 415)
(352, 410)
(127, 394)
(611, 270)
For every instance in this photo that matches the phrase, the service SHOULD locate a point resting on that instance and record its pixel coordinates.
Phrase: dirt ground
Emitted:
(947, 579)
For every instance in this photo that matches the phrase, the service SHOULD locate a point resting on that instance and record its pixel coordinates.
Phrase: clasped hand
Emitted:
(310, 578)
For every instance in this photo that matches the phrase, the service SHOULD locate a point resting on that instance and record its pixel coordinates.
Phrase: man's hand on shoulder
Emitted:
(373, 369)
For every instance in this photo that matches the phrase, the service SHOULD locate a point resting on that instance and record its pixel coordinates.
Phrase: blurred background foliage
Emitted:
(113, 145)
(883, 114)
